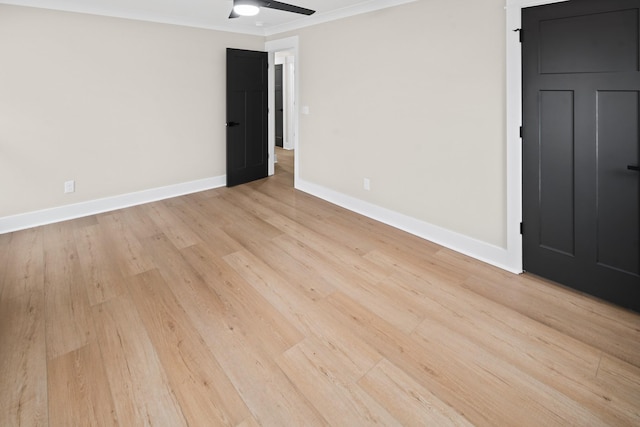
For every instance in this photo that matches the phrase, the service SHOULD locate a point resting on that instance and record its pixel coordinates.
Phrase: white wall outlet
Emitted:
(367, 184)
(69, 186)
(305, 110)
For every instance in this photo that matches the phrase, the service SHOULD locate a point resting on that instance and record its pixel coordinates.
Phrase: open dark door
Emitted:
(581, 191)
(247, 150)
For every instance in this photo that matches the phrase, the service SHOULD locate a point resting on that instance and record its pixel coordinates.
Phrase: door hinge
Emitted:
(521, 228)
(519, 31)
(520, 131)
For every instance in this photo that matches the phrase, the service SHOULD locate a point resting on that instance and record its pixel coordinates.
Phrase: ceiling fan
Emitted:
(252, 7)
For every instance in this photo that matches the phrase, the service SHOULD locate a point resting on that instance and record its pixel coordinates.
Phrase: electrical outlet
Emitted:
(367, 184)
(69, 186)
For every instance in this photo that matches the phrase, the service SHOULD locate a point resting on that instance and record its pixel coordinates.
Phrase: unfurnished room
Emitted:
(319, 212)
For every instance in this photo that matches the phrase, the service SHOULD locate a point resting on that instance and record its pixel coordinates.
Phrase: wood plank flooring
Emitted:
(262, 305)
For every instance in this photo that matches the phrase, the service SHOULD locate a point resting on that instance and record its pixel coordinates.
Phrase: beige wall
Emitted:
(118, 106)
(413, 98)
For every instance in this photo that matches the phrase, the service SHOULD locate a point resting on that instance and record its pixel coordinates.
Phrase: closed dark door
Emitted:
(279, 107)
(247, 151)
(581, 192)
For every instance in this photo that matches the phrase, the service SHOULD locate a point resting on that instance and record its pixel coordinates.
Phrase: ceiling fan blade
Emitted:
(286, 7)
(233, 13)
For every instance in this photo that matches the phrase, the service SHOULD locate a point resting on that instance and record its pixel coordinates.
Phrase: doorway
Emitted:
(284, 52)
(581, 189)
(284, 100)
(284, 77)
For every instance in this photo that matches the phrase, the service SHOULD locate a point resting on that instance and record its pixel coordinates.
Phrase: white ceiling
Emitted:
(213, 14)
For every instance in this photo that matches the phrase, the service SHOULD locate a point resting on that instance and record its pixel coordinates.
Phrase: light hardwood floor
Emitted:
(261, 305)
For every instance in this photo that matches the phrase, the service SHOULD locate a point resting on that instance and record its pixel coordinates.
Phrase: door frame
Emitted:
(271, 47)
(513, 123)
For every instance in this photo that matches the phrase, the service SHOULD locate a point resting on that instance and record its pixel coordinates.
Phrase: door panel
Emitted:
(556, 165)
(596, 42)
(617, 219)
(247, 150)
(581, 88)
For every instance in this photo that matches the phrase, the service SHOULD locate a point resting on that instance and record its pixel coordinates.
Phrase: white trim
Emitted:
(144, 16)
(289, 43)
(163, 18)
(92, 207)
(513, 123)
(290, 92)
(271, 116)
(477, 249)
(520, 4)
(319, 18)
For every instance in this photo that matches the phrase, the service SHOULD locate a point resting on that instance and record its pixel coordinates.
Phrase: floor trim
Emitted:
(92, 207)
(474, 248)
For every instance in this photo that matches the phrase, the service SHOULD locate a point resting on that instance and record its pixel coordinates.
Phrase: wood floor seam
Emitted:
(261, 305)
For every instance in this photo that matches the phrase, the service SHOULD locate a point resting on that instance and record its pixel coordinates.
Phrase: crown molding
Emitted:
(150, 16)
(144, 16)
(320, 18)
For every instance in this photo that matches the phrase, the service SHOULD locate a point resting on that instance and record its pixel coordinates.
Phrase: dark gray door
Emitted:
(581, 192)
(279, 116)
(247, 150)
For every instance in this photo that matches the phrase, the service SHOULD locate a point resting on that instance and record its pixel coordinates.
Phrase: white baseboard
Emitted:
(92, 207)
(477, 249)
(474, 248)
